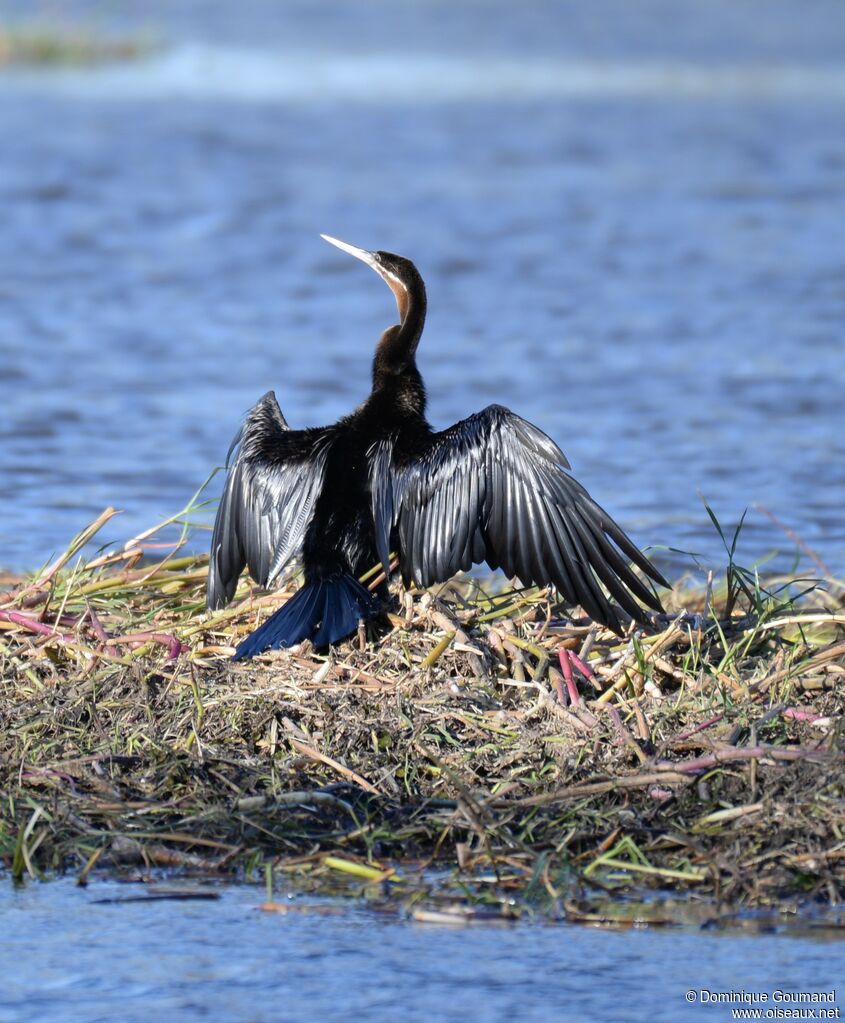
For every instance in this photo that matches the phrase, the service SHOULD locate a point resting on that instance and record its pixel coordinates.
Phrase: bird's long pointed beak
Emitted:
(353, 250)
(396, 285)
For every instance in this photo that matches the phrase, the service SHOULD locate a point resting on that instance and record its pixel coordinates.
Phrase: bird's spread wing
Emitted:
(270, 492)
(494, 488)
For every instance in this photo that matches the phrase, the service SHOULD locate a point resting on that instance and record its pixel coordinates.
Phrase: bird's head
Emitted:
(400, 275)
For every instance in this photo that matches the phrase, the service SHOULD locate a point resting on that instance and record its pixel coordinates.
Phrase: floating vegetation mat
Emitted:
(57, 45)
(701, 756)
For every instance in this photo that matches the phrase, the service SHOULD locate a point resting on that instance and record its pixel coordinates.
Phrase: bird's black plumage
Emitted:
(492, 488)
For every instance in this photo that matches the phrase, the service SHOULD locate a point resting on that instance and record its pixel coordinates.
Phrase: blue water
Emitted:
(64, 957)
(629, 221)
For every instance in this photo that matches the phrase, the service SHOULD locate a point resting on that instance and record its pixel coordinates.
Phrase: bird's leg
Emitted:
(362, 634)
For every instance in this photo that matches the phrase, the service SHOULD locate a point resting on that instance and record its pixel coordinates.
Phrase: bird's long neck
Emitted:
(395, 357)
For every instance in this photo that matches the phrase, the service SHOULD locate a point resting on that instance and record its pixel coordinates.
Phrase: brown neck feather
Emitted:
(396, 351)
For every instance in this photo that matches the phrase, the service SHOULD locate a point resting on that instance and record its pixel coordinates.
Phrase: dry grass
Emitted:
(704, 756)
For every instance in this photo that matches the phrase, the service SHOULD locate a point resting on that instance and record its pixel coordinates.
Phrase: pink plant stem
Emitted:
(26, 622)
(174, 647)
(566, 667)
(801, 715)
(97, 625)
(698, 728)
(582, 666)
(733, 755)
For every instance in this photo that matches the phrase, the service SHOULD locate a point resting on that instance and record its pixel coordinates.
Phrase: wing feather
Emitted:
(495, 488)
(268, 499)
(473, 534)
(587, 590)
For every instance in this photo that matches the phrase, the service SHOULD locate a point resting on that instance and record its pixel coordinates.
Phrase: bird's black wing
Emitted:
(269, 496)
(494, 488)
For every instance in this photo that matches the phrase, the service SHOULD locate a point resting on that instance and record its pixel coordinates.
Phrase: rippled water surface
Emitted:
(630, 227)
(66, 957)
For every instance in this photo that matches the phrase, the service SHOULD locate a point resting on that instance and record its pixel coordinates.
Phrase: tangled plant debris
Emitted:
(453, 765)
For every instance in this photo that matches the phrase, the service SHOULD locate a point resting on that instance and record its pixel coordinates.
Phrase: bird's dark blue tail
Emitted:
(324, 611)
